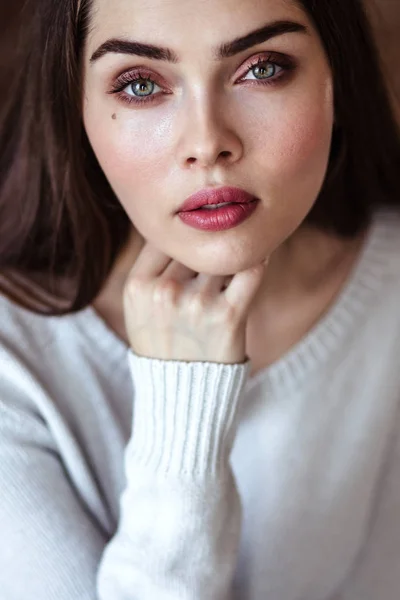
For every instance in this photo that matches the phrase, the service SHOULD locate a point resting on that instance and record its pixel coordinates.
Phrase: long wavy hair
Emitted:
(61, 225)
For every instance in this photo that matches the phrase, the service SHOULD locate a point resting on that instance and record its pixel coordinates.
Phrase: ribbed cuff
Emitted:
(184, 415)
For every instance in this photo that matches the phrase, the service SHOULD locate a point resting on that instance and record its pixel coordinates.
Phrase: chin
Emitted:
(220, 266)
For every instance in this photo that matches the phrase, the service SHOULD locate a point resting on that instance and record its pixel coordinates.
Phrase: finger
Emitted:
(178, 272)
(243, 287)
(151, 262)
(209, 284)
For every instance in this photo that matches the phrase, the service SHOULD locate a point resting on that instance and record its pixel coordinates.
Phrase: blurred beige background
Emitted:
(385, 16)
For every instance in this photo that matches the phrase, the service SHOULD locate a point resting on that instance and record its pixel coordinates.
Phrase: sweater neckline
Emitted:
(318, 344)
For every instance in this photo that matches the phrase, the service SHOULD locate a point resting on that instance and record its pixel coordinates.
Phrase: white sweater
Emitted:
(126, 478)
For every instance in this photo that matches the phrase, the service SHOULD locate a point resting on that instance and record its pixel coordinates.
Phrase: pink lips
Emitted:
(216, 196)
(238, 205)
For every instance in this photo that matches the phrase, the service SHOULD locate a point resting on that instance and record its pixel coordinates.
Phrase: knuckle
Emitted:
(229, 314)
(166, 291)
(134, 286)
(197, 302)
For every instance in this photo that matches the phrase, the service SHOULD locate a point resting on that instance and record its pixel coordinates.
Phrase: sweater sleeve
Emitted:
(180, 520)
(179, 524)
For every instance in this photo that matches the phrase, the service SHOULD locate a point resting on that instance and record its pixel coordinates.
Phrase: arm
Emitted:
(180, 513)
(50, 545)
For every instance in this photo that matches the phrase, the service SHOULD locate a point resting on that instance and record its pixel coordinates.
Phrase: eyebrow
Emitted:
(269, 31)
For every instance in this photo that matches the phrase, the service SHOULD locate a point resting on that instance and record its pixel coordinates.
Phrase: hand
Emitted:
(174, 313)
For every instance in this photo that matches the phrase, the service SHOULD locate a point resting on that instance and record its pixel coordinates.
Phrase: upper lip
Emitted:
(216, 196)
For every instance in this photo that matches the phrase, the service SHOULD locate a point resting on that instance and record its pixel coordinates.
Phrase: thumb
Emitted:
(243, 287)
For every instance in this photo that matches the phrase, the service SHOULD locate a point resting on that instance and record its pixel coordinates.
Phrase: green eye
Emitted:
(142, 87)
(264, 70)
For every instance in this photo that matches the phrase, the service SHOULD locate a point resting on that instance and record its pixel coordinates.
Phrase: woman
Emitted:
(198, 401)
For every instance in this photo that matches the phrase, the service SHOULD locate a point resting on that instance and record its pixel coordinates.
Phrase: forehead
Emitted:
(174, 22)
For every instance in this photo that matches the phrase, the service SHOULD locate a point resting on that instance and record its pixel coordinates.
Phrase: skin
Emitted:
(210, 130)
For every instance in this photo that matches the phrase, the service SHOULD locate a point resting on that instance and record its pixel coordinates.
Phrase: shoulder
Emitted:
(39, 355)
(30, 336)
(380, 260)
(57, 360)
(370, 308)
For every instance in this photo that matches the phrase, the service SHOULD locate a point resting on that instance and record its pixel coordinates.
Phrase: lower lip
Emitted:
(218, 219)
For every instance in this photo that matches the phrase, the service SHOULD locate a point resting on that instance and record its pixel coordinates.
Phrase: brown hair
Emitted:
(61, 226)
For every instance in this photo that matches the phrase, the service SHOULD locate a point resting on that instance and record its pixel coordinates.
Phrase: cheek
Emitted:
(297, 139)
(301, 144)
(126, 150)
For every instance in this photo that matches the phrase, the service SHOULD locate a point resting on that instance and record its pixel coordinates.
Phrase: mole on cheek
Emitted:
(114, 116)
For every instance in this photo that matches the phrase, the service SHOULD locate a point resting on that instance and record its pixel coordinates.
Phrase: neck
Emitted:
(305, 261)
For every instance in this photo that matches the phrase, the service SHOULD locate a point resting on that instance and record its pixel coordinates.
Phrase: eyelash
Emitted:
(284, 62)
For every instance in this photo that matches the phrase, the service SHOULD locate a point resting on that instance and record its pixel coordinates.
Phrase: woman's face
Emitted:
(205, 113)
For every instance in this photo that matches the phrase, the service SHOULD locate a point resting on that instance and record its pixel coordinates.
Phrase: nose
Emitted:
(207, 138)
